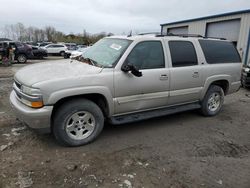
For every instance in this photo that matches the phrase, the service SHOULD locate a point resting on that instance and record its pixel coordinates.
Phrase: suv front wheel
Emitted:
(21, 58)
(213, 101)
(62, 53)
(78, 122)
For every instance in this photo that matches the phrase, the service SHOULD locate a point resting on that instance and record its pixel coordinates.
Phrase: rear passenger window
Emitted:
(182, 53)
(219, 51)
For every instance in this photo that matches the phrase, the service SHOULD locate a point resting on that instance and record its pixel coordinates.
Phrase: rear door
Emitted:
(50, 49)
(149, 91)
(185, 74)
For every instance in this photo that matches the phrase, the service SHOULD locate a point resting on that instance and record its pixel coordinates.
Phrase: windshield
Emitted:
(107, 52)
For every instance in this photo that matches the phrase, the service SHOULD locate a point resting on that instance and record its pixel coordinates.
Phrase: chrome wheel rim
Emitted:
(21, 58)
(214, 102)
(80, 125)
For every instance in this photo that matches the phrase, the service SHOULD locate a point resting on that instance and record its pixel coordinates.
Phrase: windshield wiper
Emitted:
(93, 62)
(88, 61)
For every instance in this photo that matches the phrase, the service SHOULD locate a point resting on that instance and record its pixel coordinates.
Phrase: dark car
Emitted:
(22, 51)
(245, 79)
(39, 53)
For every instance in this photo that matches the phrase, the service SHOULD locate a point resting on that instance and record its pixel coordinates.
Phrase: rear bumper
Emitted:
(35, 118)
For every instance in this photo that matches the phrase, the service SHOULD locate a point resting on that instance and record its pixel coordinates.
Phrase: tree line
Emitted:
(19, 32)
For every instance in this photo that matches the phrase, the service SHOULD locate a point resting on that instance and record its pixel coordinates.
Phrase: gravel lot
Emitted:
(179, 151)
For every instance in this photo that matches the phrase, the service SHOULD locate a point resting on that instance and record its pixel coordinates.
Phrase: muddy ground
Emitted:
(179, 151)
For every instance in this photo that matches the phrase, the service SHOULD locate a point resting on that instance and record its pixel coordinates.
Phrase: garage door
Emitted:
(226, 29)
(178, 30)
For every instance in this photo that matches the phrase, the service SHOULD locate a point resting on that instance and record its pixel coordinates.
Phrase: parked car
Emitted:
(245, 79)
(126, 79)
(74, 53)
(82, 46)
(22, 51)
(32, 43)
(55, 49)
(39, 53)
(42, 44)
(71, 46)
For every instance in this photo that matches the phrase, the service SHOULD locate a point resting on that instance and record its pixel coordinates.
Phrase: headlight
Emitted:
(31, 97)
(30, 91)
(246, 69)
(33, 104)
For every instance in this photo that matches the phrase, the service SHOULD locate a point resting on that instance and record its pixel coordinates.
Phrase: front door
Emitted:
(149, 91)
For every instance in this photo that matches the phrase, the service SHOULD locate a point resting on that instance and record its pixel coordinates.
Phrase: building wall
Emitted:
(199, 27)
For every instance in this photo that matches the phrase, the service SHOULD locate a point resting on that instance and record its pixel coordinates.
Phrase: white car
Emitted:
(56, 49)
(74, 53)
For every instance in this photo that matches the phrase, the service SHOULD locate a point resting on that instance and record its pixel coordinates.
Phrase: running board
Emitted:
(139, 116)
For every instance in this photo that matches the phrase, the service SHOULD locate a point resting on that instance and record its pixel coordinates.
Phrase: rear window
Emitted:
(219, 52)
(182, 53)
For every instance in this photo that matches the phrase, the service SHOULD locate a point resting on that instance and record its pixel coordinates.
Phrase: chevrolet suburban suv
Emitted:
(126, 79)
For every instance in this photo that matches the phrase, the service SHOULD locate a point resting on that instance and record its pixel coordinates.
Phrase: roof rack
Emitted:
(214, 38)
(188, 35)
(179, 35)
(150, 33)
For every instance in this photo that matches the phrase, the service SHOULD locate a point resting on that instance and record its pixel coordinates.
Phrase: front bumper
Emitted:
(35, 118)
(245, 79)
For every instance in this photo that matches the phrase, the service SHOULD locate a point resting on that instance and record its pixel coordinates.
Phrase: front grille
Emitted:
(18, 85)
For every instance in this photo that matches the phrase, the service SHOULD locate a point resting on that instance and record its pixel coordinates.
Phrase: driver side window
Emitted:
(147, 55)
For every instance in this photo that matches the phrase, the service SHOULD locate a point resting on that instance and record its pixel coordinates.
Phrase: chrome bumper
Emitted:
(34, 118)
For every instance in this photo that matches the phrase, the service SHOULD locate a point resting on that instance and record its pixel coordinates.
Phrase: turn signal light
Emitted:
(37, 104)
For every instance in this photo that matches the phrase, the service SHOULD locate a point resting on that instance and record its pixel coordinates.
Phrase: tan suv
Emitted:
(126, 79)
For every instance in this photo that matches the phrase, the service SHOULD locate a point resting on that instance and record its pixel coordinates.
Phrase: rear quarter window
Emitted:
(219, 51)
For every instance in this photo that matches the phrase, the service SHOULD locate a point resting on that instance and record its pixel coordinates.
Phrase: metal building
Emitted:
(234, 26)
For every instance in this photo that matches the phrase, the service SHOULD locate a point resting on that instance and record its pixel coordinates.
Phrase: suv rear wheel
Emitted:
(213, 101)
(78, 122)
(21, 58)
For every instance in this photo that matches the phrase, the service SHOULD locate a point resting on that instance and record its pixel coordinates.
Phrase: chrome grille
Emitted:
(18, 85)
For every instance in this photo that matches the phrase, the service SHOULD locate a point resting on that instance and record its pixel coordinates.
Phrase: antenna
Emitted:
(130, 34)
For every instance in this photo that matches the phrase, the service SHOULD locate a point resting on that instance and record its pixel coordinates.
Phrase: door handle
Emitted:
(164, 77)
(195, 75)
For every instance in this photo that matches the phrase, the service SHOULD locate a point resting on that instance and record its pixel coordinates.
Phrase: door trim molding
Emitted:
(149, 96)
(185, 91)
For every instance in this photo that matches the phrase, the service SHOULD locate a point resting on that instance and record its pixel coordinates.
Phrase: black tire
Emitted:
(205, 109)
(21, 58)
(64, 114)
(66, 56)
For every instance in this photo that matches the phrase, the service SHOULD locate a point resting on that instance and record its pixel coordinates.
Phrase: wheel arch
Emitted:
(99, 99)
(16, 56)
(223, 82)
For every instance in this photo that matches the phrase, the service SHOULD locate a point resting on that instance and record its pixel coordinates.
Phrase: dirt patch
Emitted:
(224, 148)
(6, 72)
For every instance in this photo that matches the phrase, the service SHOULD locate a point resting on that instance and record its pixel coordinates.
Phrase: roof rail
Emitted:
(214, 38)
(150, 33)
(179, 35)
(188, 35)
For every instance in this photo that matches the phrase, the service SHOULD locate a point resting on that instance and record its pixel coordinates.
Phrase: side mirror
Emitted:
(133, 69)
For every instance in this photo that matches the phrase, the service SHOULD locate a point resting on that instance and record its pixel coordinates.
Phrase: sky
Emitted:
(116, 16)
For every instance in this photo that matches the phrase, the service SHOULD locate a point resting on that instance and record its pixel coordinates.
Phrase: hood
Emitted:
(35, 73)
